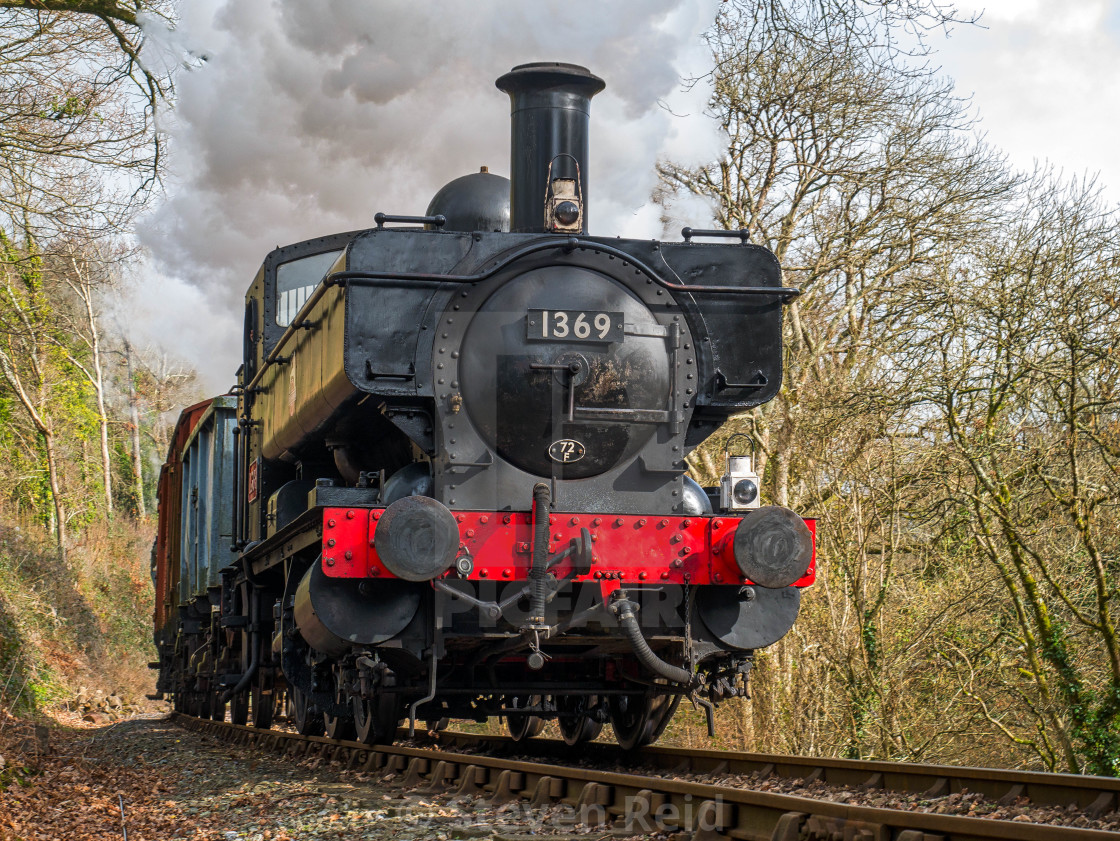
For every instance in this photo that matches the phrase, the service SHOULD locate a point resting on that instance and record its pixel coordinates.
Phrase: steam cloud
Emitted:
(307, 118)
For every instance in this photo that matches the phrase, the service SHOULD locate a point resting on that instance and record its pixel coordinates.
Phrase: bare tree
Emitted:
(1025, 373)
(76, 93)
(848, 157)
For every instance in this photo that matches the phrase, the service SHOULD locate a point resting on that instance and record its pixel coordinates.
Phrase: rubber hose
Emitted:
(651, 661)
(538, 573)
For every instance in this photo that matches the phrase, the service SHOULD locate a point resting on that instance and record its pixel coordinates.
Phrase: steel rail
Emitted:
(638, 803)
(1095, 795)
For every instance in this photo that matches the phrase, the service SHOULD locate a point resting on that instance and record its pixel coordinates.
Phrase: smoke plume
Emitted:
(307, 118)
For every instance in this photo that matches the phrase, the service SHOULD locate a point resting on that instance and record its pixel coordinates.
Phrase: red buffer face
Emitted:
(625, 549)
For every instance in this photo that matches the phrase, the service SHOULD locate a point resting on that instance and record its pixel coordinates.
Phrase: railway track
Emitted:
(702, 792)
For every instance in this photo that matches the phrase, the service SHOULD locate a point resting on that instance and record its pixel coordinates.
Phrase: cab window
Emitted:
(296, 280)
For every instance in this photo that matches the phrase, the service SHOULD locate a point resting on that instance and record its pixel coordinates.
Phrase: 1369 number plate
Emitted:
(574, 325)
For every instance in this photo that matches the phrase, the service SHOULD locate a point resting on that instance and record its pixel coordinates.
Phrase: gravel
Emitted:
(176, 784)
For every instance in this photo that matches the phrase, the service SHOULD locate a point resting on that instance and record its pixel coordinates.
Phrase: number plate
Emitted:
(574, 325)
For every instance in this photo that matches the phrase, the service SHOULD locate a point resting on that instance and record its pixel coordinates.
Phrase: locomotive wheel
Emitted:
(217, 706)
(639, 720)
(523, 727)
(339, 726)
(376, 719)
(239, 708)
(202, 709)
(262, 707)
(299, 705)
(577, 727)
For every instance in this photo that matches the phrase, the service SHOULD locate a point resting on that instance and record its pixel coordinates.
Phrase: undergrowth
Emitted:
(85, 622)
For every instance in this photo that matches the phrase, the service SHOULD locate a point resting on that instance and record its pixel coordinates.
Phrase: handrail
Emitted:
(568, 244)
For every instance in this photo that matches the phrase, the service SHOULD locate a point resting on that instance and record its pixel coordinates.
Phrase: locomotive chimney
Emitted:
(551, 110)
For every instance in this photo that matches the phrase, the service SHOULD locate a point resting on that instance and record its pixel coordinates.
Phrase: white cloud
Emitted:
(1043, 79)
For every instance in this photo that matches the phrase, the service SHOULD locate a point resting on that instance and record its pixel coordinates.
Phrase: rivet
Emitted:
(552, 521)
(642, 576)
(664, 576)
(470, 532)
(507, 573)
(642, 523)
(455, 355)
(507, 519)
(676, 538)
(598, 521)
(460, 517)
(662, 524)
(374, 572)
(687, 550)
(687, 577)
(484, 519)
(372, 542)
(594, 538)
(718, 578)
(349, 555)
(686, 523)
(574, 521)
(677, 564)
(522, 547)
(717, 524)
(349, 515)
(330, 542)
(482, 573)
(618, 523)
(330, 524)
(598, 575)
(330, 562)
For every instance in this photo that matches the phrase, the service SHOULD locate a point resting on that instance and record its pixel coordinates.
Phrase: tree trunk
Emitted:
(56, 490)
(134, 424)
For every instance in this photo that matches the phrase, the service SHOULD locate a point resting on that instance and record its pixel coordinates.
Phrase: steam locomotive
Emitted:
(451, 483)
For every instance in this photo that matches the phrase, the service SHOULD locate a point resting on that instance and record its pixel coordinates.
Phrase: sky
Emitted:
(309, 118)
(1044, 80)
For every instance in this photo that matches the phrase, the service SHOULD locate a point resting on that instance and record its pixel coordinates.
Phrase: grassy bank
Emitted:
(85, 623)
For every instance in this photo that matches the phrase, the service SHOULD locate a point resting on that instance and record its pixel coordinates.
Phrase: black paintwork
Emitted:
(475, 202)
(432, 382)
(551, 110)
